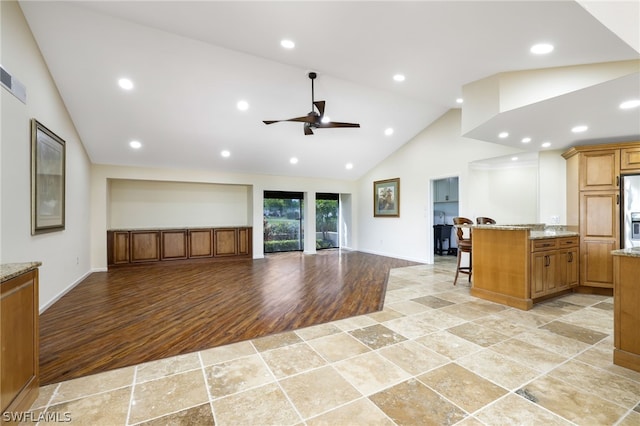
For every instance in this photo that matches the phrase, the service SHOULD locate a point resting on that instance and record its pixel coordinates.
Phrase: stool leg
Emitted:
(457, 267)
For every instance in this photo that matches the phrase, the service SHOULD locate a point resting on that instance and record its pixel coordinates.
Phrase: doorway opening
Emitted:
(327, 215)
(445, 207)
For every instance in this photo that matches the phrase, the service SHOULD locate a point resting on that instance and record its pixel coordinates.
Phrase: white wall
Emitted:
(65, 254)
(438, 151)
(159, 204)
(552, 177)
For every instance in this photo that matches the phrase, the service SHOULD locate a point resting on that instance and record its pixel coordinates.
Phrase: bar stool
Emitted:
(485, 221)
(464, 246)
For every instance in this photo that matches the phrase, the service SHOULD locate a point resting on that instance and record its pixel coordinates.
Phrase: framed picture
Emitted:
(47, 180)
(386, 198)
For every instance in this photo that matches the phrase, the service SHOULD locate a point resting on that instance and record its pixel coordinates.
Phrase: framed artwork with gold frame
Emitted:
(386, 198)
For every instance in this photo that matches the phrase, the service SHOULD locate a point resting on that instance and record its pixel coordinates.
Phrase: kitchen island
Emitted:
(519, 265)
(626, 301)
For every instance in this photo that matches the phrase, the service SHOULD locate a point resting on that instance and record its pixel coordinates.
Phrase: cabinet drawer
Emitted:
(568, 242)
(544, 244)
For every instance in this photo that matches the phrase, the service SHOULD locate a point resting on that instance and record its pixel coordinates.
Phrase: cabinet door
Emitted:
(630, 160)
(600, 170)
(543, 273)
(244, 241)
(599, 225)
(442, 190)
(225, 242)
(120, 248)
(174, 244)
(145, 246)
(453, 189)
(568, 268)
(201, 243)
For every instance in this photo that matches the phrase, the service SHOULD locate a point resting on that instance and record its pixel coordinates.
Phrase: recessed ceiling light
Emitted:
(514, 158)
(349, 166)
(503, 135)
(388, 131)
(287, 44)
(225, 153)
(459, 100)
(633, 103)
(546, 144)
(243, 105)
(541, 48)
(125, 83)
(399, 77)
(325, 119)
(293, 160)
(579, 129)
(526, 140)
(135, 144)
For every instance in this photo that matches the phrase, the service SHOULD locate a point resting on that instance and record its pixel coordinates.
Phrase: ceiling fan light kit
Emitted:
(314, 119)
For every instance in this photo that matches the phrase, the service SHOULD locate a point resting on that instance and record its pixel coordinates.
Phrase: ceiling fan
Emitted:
(315, 119)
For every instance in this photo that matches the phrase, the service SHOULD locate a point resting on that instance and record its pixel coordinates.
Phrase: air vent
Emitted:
(10, 83)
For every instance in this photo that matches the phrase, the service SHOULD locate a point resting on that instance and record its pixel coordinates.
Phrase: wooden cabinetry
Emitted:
(19, 340)
(626, 316)
(446, 190)
(126, 247)
(593, 204)
(554, 265)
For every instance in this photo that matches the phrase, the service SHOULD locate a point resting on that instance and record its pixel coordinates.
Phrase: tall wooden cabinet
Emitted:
(593, 204)
(19, 337)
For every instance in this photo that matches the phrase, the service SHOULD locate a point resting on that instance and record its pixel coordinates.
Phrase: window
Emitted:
(283, 221)
(327, 208)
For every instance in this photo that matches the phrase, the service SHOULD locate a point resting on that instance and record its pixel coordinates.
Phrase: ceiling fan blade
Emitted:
(307, 130)
(320, 106)
(305, 119)
(337, 124)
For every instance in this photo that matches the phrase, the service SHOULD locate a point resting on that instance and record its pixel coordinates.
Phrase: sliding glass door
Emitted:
(327, 209)
(283, 221)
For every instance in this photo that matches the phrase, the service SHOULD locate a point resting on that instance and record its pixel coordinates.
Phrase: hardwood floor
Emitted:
(131, 315)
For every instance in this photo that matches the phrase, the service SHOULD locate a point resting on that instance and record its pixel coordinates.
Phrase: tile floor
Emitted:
(434, 355)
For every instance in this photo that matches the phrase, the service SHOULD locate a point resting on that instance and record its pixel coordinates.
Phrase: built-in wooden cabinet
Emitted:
(19, 341)
(626, 315)
(554, 265)
(446, 190)
(593, 204)
(126, 247)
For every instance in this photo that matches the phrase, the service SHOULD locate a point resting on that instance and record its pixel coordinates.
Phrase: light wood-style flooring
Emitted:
(137, 314)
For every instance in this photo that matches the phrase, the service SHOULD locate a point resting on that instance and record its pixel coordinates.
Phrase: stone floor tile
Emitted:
(200, 415)
(448, 344)
(528, 354)
(356, 413)
(377, 336)
(321, 330)
(583, 334)
(413, 357)
(410, 327)
(276, 341)
(107, 408)
(498, 368)
(292, 359)
(89, 385)
(167, 367)
(370, 372)
(475, 333)
(433, 302)
(515, 410)
(337, 347)
(237, 375)
(226, 353)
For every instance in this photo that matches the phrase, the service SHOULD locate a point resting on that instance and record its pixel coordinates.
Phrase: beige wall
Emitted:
(64, 254)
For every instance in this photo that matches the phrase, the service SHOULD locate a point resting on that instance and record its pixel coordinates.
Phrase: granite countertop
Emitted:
(536, 231)
(12, 270)
(630, 252)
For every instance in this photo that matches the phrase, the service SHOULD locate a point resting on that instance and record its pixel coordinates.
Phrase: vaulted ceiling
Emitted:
(192, 62)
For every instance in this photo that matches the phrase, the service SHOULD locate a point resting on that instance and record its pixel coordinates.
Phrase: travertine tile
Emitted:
(413, 357)
(377, 336)
(370, 372)
(166, 395)
(352, 323)
(337, 347)
(530, 355)
(631, 419)
(226, 353)
(515, 410)
(555, 308)
(321, 330)
(90, 385)
(465, 388)
(237, 375)
(576, 405)
(583, 334)
(607, 306)
(448, 344)
(266, 405)
(44, 396)
(584, 299)
(601, 355)
(599, 382)
(553, 342)
(107, 408)
(477, 334)
(413, 403)
(433, 302)
(410, 327)
(385, 315)
(317, 391)
(356, 413)
(292, 359)
(438, 319)
(407, 307)
(276, 341)
(527, 319)
(200, 415)
(595, 319)
(166, 367)
(499, 324)
(498, 368)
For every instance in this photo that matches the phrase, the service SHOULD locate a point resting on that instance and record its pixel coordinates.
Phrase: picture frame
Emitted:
(48, 170)
(386, 198)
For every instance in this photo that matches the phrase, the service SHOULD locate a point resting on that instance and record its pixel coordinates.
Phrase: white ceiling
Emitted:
(191, 62)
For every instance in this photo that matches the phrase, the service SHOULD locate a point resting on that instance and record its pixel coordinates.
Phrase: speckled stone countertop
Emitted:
(12, 270)
(537, 231)
(630, 252)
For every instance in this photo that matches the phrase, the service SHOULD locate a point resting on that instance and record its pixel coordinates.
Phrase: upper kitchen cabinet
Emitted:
(630, 160)
(600, 170)
(446, 190)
